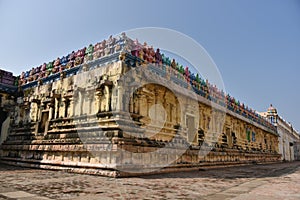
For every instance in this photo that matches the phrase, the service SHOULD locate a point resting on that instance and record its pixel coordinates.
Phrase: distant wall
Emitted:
(4, 130)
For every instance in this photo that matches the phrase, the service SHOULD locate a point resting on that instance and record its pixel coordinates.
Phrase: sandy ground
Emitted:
(258, 182)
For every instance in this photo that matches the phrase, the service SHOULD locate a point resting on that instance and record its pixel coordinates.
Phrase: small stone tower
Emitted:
(272, 115)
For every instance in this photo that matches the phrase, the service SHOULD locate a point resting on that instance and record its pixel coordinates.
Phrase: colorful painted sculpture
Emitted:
(26, 74)
(89, 53)
(21, 82)
(173, 64)
(44, 67)
(164, 59)
(80, 52)
(197, 78)
(181, 69)
(102, 48)
(41, 75)
(49, 67)
(187, 73)
(89, 50)
(64, 61)
(70, 64)
(56, 65)
(192, 76)
(97, 49)
(151, 56)
(38, 69)
(71, 56)
(123, 38)
(56, 62)
(136, 48)
(79, 55)
(111, 44)
(158, 57)
(111, 41)
(22, 75)
(16, 81)
(141, 54)
(32, 71)
(78, 61)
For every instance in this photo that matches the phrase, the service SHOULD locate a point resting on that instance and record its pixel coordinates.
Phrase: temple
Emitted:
(121, 108)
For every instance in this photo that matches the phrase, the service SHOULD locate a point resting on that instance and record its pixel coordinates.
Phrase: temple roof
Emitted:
(7, 88)
(109, 50)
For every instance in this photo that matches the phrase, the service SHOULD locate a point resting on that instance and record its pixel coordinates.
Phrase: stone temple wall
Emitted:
(119, 115)
(97, 122)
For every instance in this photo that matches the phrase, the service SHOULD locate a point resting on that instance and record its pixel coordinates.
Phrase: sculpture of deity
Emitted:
(16, 81)
(89, 53)
(141, 54)
(26, 74)
(22, 75)
(187, 73)
(151, 55)
(49, 66)
(111, 41)
(89, 50)
(158, 57)
(173, 64)
(44, 67)
(57, 62)
(38, 69)
(136, 48)
(78, 60)
(64, 61)
(61, 68)
(70, 64)
(197, 78)
(71, 56)
(97, 49)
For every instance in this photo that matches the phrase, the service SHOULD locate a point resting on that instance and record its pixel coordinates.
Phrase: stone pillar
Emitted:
(89, 102)
(50, 112)
(80, 103)
(37, 113)
(149, 102)
(76, 101)
(71, 107)
(107, 98)
(130, 101)
(98, 97)
(85, 104)
(136, 100)
(62, 107)
(56, 105)
(32, 111)
(66, 107)
(119, 106)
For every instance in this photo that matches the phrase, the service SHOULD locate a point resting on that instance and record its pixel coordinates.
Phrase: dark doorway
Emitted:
(43, 122)
(3, 116)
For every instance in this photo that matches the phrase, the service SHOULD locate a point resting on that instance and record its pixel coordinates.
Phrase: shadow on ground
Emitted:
(232, 172)
(235, 172)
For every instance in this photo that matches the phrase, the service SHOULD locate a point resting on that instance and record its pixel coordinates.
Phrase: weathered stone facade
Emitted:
(289, 138)
(7, 103)
(118, 115)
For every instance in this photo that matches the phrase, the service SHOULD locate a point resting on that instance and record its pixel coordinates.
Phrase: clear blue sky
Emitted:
(255, 44)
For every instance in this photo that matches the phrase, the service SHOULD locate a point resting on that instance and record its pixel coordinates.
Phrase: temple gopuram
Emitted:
(121, 108)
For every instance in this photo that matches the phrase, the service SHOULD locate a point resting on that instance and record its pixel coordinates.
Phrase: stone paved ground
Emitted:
(259, 182)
